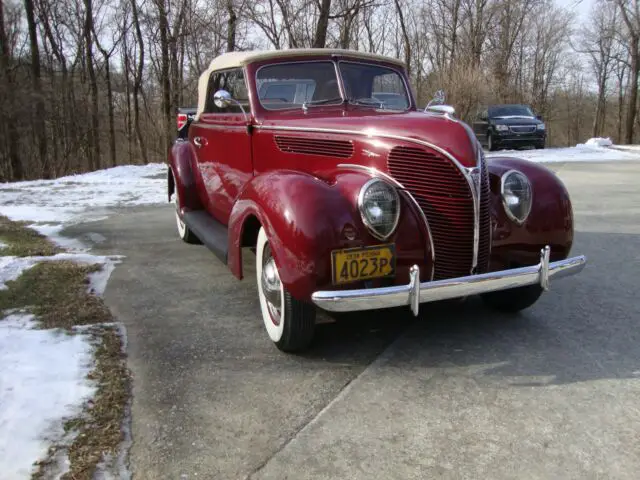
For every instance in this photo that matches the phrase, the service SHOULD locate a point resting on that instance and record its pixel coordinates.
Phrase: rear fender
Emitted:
(549, 223)
(181, 177)
(306, 218)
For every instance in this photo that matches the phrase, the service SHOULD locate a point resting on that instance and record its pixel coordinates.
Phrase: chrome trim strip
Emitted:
(467, 172)
(415, 293)
(373, 171)
(372, 230)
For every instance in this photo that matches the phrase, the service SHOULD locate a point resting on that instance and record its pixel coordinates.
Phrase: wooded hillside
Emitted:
(87, 84)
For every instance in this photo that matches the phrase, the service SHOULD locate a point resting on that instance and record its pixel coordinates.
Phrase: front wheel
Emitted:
(290, 323)
(514, 299)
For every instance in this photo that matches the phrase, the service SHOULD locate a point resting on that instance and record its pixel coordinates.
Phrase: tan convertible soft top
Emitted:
(240, 59)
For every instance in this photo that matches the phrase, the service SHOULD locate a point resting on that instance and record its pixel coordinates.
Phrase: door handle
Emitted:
(199, 141)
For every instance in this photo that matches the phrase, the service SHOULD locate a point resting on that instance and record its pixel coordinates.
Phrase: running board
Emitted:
(212, 233)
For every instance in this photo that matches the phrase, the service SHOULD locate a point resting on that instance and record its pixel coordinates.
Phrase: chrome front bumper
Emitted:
(416, 293)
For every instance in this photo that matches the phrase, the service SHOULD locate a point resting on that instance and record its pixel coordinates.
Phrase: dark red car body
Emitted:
(298, 174)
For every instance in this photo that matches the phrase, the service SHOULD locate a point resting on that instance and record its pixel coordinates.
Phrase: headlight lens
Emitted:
(379, 206)
(502, 128)
(517, 196)
(540, 126)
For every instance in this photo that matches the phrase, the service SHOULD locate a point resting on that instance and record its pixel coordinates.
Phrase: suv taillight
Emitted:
(181, 120)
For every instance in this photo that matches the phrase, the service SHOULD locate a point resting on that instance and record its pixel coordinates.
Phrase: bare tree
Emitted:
(39, 120)
(631, 17)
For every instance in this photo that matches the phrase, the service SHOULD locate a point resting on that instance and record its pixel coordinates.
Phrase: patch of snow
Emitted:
(579, 153)
(43, 380)
(78, 198)
(3, 245)
(599, 142)
(53, 233)
(12, 267)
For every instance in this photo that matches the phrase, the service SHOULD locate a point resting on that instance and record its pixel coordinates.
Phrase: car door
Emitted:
(222, 143)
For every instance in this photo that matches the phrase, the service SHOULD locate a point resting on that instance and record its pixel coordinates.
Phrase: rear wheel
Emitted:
(290, 323)
(514, 299)
(184, 232)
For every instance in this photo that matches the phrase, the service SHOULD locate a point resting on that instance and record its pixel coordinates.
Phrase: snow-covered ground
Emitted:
(43, 373)
(43, 379)
(593, 150)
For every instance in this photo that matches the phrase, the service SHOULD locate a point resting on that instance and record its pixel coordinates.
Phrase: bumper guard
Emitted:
(416, 293)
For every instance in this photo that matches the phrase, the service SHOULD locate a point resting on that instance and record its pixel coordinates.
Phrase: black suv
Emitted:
(500, 126)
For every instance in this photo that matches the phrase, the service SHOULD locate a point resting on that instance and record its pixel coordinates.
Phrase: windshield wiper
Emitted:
(365, 102)
(321, 102)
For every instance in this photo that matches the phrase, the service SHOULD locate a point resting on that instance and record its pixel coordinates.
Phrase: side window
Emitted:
(233, 82)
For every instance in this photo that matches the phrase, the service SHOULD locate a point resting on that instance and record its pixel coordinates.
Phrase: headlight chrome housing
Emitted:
(379, 205)
(517, 195)
(502, 128)
(540, 126)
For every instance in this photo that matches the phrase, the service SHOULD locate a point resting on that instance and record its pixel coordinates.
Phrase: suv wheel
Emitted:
(290, 323)
(490, 145)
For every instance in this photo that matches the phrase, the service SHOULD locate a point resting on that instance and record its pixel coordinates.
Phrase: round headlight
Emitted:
(517, 196)
(379, 206)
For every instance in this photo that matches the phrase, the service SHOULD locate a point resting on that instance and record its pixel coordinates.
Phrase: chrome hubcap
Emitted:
(271, 286)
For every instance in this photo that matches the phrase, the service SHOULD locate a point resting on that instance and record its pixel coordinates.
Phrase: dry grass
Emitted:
(23, 241)
(56, 292)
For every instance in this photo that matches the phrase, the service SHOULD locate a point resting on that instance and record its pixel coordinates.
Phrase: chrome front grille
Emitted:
(443, 193)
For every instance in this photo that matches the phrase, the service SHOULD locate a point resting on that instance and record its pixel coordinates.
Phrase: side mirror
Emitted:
(539, 117)
(222, 99)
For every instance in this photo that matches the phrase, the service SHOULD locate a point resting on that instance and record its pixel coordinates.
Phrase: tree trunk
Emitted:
(39, 121)
(633, 90)
(7, 85)
(231, 27)
(137, 84)
(320, 39)
(94, 130)
(405, 38)
(164, 72)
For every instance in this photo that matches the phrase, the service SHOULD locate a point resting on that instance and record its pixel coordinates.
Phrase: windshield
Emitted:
(504, 111)
(292, 85)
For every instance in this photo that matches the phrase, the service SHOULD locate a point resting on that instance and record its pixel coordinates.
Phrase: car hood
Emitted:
(515, 120)
(451, 135)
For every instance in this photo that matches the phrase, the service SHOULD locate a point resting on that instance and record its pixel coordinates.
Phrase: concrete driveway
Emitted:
(461, 392)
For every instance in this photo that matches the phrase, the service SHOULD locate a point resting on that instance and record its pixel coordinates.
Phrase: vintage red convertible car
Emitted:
(352, 198)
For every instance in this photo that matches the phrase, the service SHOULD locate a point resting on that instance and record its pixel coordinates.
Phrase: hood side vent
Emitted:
(315, 146)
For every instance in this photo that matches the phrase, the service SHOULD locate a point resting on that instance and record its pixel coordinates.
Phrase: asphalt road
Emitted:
(461, 392)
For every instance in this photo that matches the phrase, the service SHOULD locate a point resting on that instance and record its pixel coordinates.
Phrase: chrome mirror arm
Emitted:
(223, 99)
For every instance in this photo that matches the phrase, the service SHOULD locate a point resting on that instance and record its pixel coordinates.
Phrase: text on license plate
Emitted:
(363, 263)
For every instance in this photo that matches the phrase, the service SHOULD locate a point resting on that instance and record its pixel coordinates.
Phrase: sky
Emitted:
(581, 7)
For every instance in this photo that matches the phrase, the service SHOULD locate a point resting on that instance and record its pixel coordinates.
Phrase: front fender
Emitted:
(305, 218)
(549, 223)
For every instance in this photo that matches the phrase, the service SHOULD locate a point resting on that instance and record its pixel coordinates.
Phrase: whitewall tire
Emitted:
(183, 231)
(290, 323)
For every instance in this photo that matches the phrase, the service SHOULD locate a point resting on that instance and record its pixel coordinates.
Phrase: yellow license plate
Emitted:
(364, 263)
